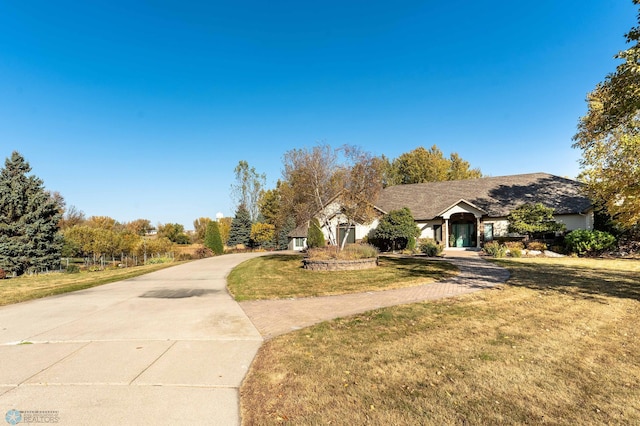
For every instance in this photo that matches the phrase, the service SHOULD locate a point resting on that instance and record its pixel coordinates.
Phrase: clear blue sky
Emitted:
(142, 109)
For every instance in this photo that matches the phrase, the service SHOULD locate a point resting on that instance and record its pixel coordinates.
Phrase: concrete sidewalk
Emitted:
(170, 347)
(275, 317)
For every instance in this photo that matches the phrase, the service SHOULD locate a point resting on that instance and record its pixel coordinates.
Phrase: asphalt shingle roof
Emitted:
(498, 196)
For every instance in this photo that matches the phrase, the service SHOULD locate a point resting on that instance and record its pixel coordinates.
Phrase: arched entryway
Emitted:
(463, 230)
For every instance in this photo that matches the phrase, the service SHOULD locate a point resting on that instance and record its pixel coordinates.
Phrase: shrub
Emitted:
(514, 245)
(495, 249)
(430, 247)
(515, 252)
(202, 252)
(583, 241)
(537, 245)
(72, 269)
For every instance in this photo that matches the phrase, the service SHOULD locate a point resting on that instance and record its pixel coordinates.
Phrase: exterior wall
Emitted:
(294, 244)
(427, 228)
(576, 221)
(361, 230)
(500, 226)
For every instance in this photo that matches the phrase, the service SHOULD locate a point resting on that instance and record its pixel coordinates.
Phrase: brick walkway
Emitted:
(275, 317)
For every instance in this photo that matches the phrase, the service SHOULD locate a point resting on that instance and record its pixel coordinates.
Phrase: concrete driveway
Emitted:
(170, 347)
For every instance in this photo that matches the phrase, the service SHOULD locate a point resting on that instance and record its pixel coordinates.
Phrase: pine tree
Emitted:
(29, 217)
(240, 232)
(212, 238)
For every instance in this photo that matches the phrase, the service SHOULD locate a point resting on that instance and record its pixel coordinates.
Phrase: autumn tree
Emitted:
(609, 137)
(274, 212)
(362, 183)
(29, 218)
(139, 226)
(71, 216)
(174, 232)
(224, 224)
(212, 238)
(247, 188)
(312, 178)
(429, 165)
(263, 234)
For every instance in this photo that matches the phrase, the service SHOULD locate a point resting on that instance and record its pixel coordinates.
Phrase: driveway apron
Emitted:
(170, 347)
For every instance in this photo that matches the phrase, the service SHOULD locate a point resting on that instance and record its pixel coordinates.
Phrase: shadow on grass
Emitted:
(584, 281)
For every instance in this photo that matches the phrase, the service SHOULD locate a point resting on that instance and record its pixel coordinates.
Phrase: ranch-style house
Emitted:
(466, 213)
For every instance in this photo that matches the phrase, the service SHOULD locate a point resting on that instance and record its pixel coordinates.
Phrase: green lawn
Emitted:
(558, 344)
(281, 276)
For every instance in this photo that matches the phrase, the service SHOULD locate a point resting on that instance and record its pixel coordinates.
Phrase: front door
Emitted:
(462, 233)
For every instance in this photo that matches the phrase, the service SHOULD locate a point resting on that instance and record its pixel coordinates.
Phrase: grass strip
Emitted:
(23, 288)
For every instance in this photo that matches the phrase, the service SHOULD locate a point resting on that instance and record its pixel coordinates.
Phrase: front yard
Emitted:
(558, 344)
(281, 276)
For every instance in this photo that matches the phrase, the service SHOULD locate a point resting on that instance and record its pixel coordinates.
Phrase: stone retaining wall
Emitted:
(339, 265)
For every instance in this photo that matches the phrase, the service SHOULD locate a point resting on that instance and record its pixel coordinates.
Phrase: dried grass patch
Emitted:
(25, 287)
(560, 351)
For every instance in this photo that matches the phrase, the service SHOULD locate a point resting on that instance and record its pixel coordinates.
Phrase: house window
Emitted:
(437, 233)
(488, 231)
(351, 238)
(298, 242)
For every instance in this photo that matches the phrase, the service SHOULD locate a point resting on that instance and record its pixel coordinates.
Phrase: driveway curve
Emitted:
(275, 317)
(170, 347)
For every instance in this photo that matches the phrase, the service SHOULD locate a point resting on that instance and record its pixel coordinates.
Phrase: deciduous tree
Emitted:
(609, 137)
(429, 165)
(29, 218)
(247, 188)
(263, 235)
(200, 226)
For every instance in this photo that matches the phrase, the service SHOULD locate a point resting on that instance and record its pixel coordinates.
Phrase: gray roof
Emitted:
(497, 196)
(300, 231)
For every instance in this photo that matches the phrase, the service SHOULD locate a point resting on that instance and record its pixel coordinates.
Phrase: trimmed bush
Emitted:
(495, 249)
(585, 242)
(430, 247)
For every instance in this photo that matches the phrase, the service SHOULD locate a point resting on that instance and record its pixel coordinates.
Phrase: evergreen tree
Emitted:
(315, 237)
(212, 238)
(29, 217)
(240, 232)
(283, 233)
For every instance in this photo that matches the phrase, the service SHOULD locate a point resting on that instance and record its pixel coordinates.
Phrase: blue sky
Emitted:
(142, 109)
